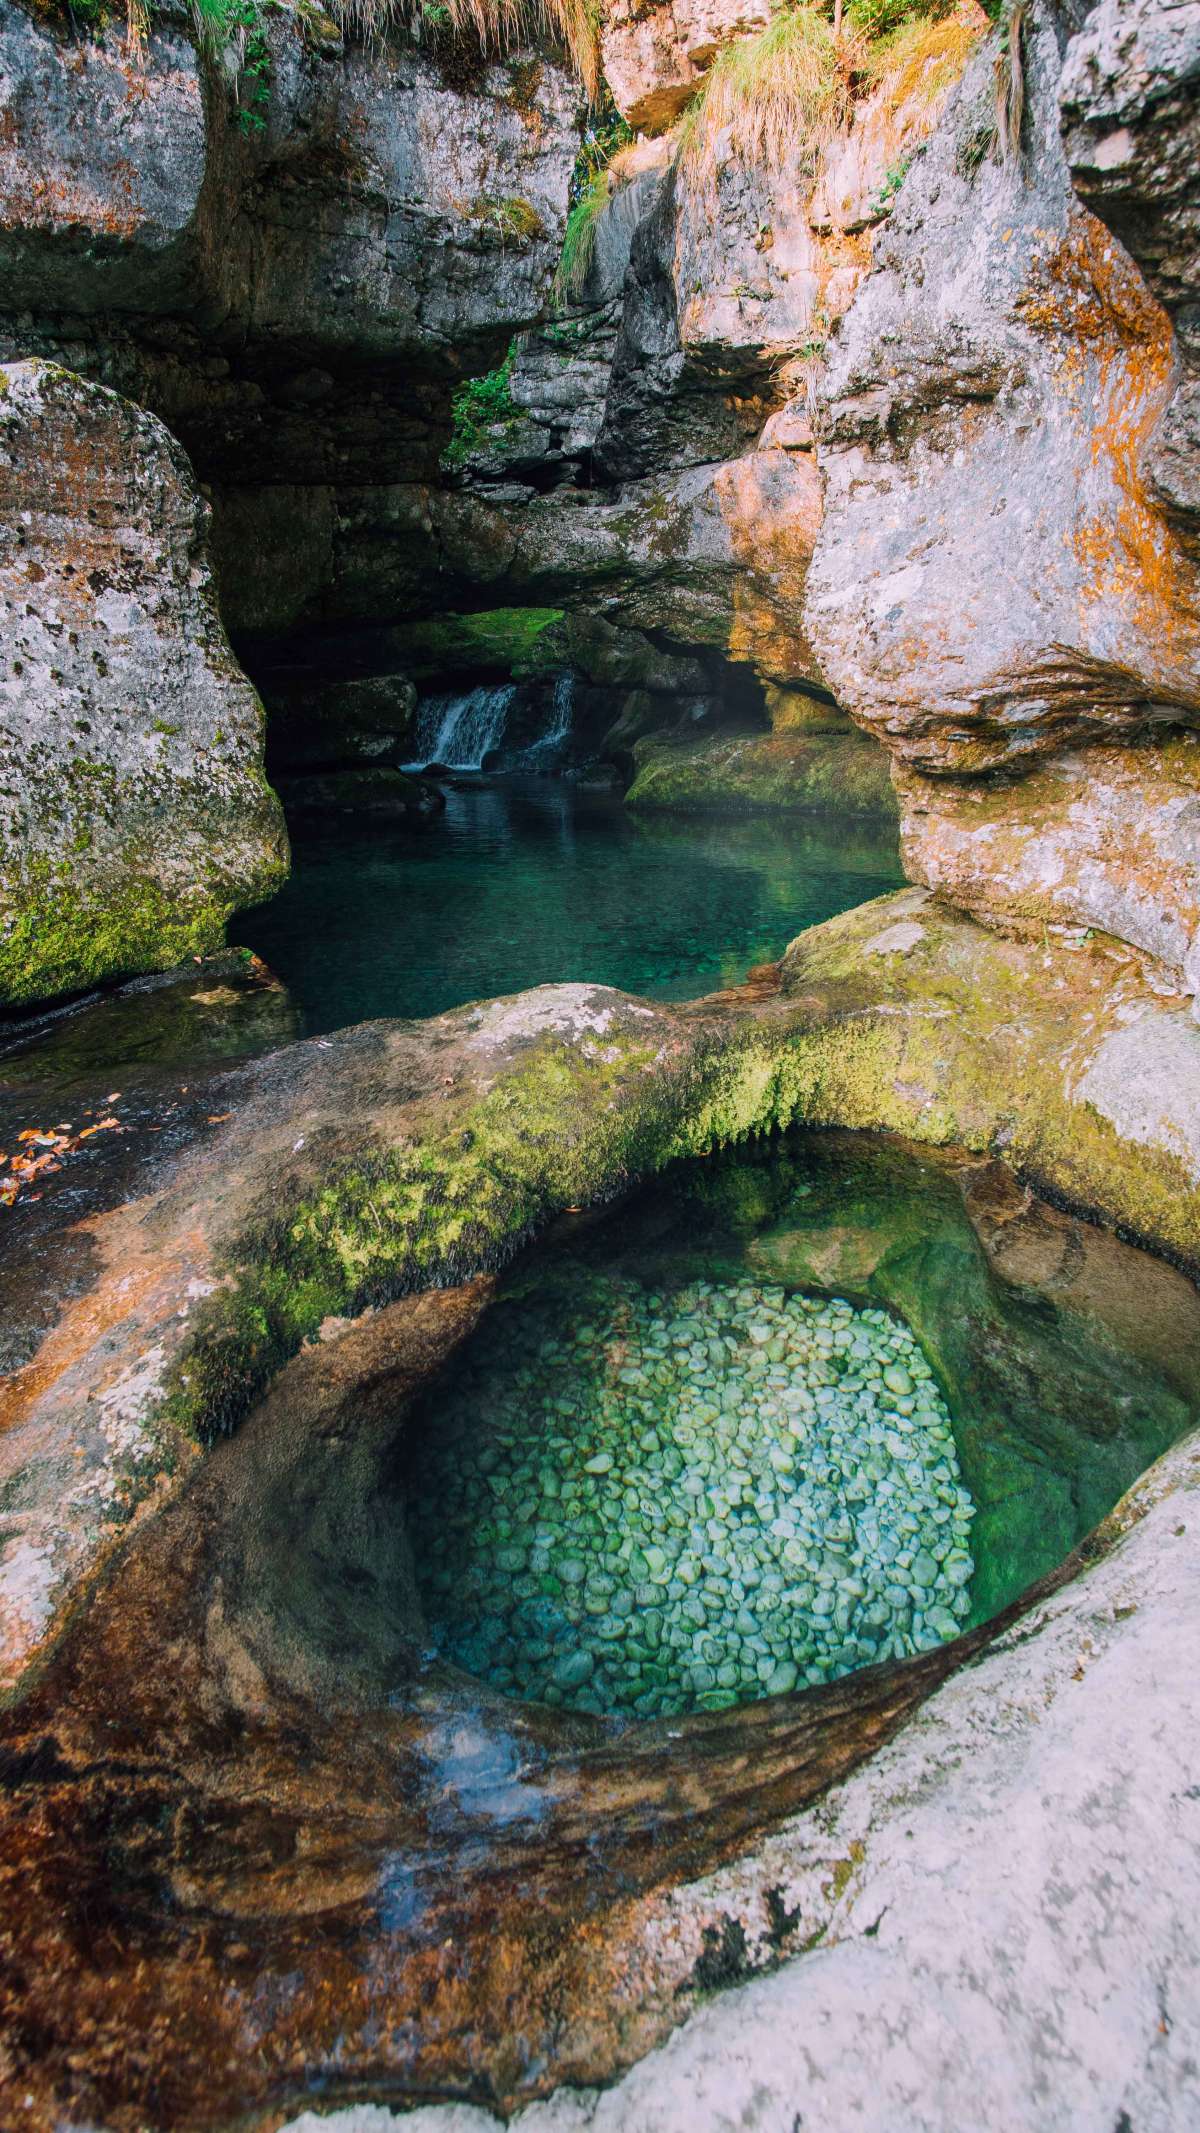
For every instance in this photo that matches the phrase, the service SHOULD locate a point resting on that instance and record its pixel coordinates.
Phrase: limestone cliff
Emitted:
(1005, 588)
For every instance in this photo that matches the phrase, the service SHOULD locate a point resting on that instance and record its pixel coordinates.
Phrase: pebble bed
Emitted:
(650, 1503)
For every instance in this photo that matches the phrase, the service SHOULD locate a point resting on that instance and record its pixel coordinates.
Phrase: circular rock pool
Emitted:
(785, 1414)
(684, 1501)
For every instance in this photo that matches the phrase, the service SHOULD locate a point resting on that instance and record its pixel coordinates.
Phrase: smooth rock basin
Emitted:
(657, 1482)
(263, 1841)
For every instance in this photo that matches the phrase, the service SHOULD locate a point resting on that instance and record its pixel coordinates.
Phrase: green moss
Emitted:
(833, 773)
(69, 925)
(561, 1127)
(953, 1036)
(502, 640)
(507, 219)
(67, 938)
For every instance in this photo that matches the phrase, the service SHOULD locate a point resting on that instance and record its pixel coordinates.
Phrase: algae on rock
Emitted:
(134, 814)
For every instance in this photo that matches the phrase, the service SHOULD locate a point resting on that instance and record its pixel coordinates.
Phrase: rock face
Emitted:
(1131, 128)
(989, 1923)
(657, 52)
(299, 302)
(1002, 591)
(135, 813)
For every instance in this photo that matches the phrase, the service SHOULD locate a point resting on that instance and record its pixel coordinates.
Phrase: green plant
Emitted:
(875, 19)
(479, 407)
(889, 185)
(579, 238)
(508, 218)
(233, 32)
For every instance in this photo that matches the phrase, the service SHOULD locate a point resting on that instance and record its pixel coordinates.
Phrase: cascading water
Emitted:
(462, 731)
(543, 754)
(470, 732)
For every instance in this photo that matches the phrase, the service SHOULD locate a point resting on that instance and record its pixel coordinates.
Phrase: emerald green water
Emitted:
(532, 883)
(795, 1410)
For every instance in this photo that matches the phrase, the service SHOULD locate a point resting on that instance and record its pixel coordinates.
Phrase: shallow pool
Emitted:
(537, 882)
(801, 1409)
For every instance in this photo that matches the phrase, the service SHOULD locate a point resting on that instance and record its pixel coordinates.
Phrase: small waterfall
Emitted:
(543, 753)
(461, 731)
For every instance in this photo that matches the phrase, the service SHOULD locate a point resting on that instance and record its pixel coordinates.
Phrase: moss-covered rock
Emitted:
(134, 815)
(497, 640)
(336, 1175)
(793, 770)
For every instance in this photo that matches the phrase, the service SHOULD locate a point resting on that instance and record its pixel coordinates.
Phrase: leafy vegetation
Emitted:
(889, 185)
(480, 407)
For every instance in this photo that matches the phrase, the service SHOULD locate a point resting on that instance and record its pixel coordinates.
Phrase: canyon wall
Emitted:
(899, 427)
(1005, 587)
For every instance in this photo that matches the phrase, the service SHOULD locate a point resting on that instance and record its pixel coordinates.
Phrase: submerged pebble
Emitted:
(652, 1505)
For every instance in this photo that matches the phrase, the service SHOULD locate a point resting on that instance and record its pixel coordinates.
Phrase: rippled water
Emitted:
(533, 882)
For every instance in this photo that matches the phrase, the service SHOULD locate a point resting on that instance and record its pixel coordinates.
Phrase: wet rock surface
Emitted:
(301, 1834)
(342, 1172)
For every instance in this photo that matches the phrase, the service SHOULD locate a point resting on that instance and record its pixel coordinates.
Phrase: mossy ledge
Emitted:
(764, 773)
(341, 1173)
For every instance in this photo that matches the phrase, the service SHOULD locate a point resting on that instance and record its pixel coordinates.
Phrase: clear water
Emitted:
(689, 1499)
(535, 882)
(795, 1410)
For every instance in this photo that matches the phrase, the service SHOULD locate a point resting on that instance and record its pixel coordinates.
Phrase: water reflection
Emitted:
(535, 881)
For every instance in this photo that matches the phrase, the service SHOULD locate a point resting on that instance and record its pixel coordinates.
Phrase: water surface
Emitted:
(536, 882)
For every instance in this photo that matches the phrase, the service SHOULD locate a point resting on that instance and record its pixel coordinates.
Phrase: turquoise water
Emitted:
(780, 1415)
(690, 1498)
(537, 882)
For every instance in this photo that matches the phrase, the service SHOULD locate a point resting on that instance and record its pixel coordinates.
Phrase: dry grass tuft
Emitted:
(497, 26)
(769, 95)
(922, 59)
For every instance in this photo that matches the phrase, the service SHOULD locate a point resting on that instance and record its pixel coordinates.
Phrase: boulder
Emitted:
(136, 815)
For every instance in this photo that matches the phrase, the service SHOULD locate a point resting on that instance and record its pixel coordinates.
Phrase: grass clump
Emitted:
(768, 94)
(579, 238)
(597, 175)
(921, 57)
(508, 218)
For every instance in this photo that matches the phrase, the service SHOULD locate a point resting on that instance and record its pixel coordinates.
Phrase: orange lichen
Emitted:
(1116, 367)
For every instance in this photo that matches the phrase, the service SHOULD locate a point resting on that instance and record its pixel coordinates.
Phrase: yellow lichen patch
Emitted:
(771, 504)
